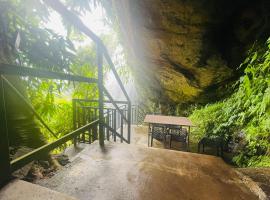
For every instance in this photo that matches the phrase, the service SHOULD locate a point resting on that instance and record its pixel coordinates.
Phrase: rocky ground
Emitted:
(41, 169)
(261, 176)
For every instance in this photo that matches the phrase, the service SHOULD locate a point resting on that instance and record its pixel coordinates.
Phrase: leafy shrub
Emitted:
(247, 110)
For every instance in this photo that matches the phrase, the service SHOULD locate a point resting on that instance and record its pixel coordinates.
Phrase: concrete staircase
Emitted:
(23, 190)
(135, 171)
(122, 171)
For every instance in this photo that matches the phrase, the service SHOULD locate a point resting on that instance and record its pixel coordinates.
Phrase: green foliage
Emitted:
(52, 99)
(42, 48)
(204, 120)
(85, 65)
(247, 111)
(38, 48)
(60, 120)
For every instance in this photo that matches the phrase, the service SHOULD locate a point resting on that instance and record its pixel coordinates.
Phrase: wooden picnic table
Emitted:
(167, 122)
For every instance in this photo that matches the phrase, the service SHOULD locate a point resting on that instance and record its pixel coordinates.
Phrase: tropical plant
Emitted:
(25, 41)
(247, 111)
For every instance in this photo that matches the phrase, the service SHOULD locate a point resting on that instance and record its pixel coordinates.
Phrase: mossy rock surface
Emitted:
(185, 51)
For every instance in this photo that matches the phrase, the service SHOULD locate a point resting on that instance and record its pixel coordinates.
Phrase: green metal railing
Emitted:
(89, 127)
(8, 166)
(85, 110)
(94, 129)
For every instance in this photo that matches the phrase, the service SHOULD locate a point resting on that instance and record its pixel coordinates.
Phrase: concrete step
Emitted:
(22, 190)
(122, 171)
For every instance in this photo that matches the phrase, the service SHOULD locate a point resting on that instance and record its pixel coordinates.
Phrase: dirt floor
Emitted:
(122, 171)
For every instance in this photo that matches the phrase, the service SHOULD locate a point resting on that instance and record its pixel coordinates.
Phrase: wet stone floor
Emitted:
(135, 171)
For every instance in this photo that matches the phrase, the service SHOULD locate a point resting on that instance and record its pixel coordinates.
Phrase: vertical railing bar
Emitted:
(78, 121)
(107, 122)
(132, 115)
(88, 121)
(5, 172)
(129, 121)
(119, 120)
(74, 104)
(121, 129)
(84, 123)
(89, 135)
(94, 132)
(79, 116)
(110, 124)
(114, 124)
(135, 115)
(100, 94)
(111, 121)
(88, 115)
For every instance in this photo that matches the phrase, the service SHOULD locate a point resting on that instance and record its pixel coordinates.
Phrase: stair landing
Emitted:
(22, 190)
(122, 171)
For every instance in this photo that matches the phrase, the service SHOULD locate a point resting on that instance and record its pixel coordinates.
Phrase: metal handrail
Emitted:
(75, 20)
(108, 58)
(115, 105)
(115, 132)
(39, 73)
(7, 69)
(108, 113)
(102, 51)
(35, 154)
(105, 101)
(28, 105)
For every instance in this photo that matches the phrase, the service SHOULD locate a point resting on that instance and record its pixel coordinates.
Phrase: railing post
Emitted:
(90, 135)
(121, 128)
(95, 113)
(129, 121)
(74, 120)
(4, 143)
(108, 123)
(135, 115)
(94, 133)
(84, 123)
(100, 93)
(114, 124)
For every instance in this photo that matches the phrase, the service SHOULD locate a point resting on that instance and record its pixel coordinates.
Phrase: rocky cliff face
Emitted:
(186, 50)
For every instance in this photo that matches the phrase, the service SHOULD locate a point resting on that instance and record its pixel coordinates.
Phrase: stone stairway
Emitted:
(135, 171)
(122, 171)
(22, 190)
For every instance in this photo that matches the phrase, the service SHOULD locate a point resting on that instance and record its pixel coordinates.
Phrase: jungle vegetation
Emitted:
(245, 115)
(246, 112)
(26, 41)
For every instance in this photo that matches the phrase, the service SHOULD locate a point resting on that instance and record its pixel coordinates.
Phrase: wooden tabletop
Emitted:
(168, 120)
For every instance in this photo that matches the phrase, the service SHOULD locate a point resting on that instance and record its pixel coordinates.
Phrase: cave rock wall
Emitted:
(187, 50)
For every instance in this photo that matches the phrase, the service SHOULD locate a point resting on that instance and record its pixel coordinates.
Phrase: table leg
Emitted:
(167, 137)
(150, 135)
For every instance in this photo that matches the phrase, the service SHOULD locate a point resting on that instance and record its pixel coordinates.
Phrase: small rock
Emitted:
(62, 159)
(44, 164)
